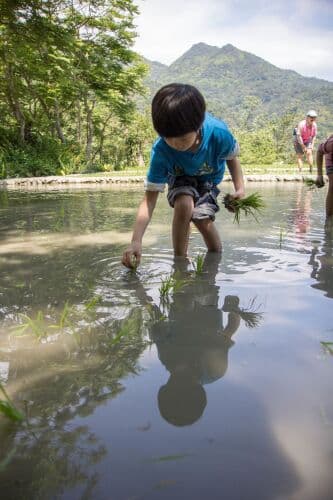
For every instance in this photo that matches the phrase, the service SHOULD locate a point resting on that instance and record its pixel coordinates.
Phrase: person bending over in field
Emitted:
(305, 134)
(325, 150)
(190, 156)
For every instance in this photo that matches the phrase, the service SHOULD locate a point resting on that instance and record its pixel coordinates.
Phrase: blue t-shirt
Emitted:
(208, 161)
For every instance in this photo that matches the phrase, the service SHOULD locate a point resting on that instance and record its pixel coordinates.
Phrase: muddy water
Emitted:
(220, 389)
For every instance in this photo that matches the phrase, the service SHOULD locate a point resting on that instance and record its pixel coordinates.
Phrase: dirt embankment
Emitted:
(91, 181)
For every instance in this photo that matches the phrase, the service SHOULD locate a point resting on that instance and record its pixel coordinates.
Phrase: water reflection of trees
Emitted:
(41, 280)
(58, 385)
(38, 268)
(54, 212)
(50, 461)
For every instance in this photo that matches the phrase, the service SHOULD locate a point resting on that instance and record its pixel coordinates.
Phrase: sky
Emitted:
(291, 34)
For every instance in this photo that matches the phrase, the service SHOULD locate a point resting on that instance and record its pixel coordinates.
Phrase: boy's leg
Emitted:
(329, 197)
(204, 215)
(183, 209)
(210, 234)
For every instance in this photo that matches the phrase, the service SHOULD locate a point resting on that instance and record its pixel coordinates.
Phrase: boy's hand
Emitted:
(320, 181)
(132, 255)
(238, 194)
(229, 197)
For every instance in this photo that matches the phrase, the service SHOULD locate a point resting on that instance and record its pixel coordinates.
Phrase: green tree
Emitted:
(67, 70)
(257, 146)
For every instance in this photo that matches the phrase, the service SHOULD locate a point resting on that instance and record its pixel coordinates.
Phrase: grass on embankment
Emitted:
(275, 169)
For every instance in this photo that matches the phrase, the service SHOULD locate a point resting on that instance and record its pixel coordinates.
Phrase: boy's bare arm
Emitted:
(233, 323)
(324, 148)
(144, 214)
(319, 158)
(236, 173)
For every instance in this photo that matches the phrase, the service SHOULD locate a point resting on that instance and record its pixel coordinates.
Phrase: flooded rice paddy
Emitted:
(210, 378)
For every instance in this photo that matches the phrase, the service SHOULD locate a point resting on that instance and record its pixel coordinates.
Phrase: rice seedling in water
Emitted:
(6, 461)
(251, 205)
(155, 315)
(328, 346)
(167, 458)
(129, 327)
(7, 408)
(178, 283)
(199, 263)
(171, 283)
(282, 234)
(134, 263)
(166, 286)
(64, 318)
(36, 326)
(41, 328)
(93, 303)
(311, 183)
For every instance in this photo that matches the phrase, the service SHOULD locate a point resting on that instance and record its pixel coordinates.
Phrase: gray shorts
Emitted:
(299, 149)
(204, 195)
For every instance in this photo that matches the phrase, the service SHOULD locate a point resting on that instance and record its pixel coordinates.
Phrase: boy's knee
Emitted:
(204, 224)
(184, 204)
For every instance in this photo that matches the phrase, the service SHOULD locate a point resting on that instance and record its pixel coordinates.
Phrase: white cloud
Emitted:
(277, 42)
(284, 34)
(167, 29)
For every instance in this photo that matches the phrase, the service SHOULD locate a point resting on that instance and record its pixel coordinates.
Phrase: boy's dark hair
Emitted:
(177, 109)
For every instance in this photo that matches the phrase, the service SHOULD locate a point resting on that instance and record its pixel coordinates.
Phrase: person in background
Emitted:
(305, 134)
(325, 150)
(190, 156)
(300, 215)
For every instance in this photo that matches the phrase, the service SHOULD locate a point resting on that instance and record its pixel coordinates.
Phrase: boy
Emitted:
(325, 149)
(190, 156)
(305, 134)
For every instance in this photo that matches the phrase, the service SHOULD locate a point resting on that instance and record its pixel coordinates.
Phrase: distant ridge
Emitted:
(230, 78)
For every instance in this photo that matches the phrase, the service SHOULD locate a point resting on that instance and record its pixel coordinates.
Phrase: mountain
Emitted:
(237, 84)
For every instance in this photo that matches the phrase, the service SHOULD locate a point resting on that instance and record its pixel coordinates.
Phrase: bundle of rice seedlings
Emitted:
(311, 183)
(134, 263)
(7, 408)
(251, 205)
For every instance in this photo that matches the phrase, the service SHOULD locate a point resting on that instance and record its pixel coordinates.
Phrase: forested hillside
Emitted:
(228, 77)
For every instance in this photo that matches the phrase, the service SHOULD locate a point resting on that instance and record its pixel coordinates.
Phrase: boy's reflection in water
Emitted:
(193, 342)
